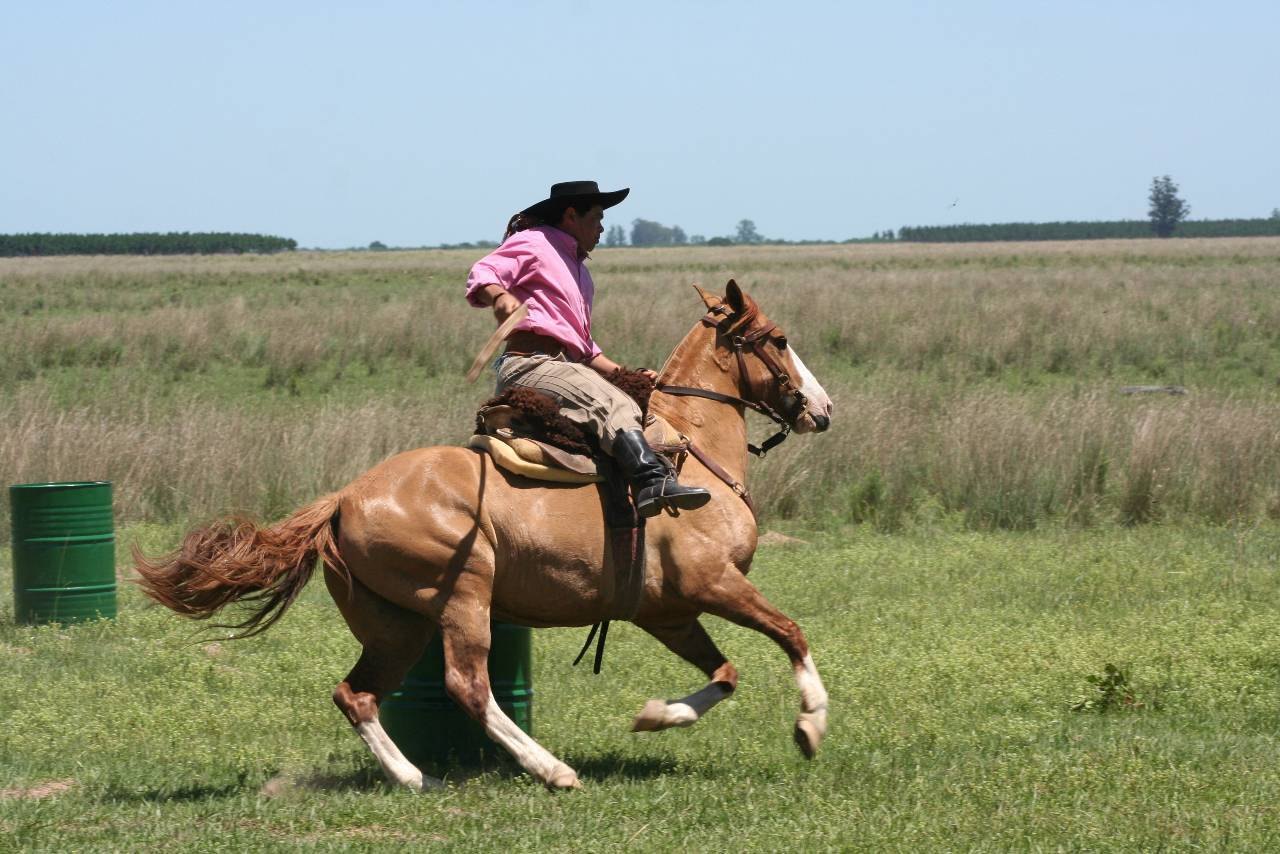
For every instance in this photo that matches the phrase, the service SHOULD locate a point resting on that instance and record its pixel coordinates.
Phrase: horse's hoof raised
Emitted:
(807, 738)
(651, 717)
(563, 777)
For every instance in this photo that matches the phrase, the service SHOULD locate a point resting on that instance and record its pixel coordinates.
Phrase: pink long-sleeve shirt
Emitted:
(540, 266)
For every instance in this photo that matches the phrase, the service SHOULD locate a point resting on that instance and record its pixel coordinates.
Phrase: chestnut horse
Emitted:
(439, 538)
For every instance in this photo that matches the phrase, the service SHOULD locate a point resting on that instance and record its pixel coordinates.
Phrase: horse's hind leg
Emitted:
(465, 628)
(736, 599)
(393, 639)
(689, 640)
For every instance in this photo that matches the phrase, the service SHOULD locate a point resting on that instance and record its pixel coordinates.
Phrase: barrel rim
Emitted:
(58, 484)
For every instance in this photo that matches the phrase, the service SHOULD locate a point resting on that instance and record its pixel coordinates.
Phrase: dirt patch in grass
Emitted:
(37, 792)
(373, 832)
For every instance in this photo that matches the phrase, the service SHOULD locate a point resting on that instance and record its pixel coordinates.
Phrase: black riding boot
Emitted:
(652, 483)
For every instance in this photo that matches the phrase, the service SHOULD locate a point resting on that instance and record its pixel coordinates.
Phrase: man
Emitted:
(540, 264)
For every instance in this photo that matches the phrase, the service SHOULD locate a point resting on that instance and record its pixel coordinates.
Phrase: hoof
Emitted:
(651, 717)
(563, 777)
(807, 738)
(419, 782)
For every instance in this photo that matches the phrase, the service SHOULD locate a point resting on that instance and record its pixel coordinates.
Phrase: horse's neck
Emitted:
(718, 429)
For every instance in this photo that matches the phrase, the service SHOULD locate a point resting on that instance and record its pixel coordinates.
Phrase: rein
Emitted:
(768, 445)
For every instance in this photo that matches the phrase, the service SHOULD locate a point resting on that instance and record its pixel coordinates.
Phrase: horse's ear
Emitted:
(735, 297)
(708, 299)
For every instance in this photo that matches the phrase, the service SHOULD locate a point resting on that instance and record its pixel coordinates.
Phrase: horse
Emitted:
(440, 539)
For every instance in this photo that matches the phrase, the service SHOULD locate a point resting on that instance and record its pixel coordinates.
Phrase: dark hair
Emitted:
(548, 215)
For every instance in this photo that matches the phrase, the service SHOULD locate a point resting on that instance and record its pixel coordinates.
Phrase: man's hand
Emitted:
(504, 306)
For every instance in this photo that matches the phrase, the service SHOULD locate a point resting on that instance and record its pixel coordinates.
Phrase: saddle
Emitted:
(538, 459)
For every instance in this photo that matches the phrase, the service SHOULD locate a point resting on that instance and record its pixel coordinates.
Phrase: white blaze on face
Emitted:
(819, 402)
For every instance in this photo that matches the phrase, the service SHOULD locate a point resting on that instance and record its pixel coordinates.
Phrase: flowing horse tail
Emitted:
(234, 560)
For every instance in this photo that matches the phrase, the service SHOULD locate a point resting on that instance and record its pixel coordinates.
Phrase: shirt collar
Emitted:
(564, 241)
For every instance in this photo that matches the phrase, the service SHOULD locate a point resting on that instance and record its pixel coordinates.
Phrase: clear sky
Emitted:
(418, 123)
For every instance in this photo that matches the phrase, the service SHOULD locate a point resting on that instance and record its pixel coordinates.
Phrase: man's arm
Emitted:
(497, 296)
(602, 364)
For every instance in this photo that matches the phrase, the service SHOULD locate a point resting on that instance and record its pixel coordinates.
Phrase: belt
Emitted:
(526, 343)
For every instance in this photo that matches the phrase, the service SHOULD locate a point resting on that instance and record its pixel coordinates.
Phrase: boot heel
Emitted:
(649, 509)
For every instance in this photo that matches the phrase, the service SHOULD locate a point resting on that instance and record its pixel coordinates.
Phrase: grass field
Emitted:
(953, 659)
(989, 525)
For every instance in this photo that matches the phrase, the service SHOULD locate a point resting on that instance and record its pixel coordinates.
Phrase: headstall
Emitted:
(721, 319)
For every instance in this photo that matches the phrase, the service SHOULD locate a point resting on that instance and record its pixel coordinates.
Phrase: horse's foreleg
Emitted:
(736, 599)
(690, 641)
(393, 641)
(466, 679)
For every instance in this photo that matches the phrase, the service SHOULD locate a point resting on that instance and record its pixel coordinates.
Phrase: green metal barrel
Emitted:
(429, 728)
(64, 552)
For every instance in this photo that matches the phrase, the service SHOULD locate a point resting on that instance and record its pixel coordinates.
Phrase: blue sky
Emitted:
(430, 122)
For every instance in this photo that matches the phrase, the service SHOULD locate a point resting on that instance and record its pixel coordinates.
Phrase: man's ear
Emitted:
(735, 297)
(708, 299)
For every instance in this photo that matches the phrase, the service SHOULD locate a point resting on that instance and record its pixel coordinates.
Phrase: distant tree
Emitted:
(648, 233)
(377, 246)
(697, 239)
(747, 232)
(1275, 213)
(678, 236)
(888, 235)
(615, 236)
(1167, 210)
(719, 241)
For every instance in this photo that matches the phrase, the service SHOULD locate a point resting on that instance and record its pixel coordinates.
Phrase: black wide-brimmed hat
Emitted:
(570, 192)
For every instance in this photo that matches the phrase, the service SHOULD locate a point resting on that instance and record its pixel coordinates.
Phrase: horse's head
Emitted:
(769, 370)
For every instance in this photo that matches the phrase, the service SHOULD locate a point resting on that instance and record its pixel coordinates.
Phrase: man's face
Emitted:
(586, 228)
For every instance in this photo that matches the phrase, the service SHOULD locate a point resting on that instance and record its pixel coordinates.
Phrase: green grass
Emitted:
(953, 659)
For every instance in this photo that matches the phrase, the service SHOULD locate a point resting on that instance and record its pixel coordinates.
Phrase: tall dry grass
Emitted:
(997, 459)
(976, 382)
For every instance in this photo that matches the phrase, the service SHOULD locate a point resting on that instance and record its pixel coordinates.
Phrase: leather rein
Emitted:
(721, 319)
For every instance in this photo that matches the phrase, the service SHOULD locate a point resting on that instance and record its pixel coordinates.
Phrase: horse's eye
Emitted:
(781, 342)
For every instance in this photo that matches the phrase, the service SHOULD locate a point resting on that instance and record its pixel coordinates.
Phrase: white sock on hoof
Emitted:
(398, 769)
(533, 757)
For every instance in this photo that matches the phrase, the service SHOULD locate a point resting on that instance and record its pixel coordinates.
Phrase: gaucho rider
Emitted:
(541, 264)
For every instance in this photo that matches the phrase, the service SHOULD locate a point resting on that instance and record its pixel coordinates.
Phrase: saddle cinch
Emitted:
(506, 433)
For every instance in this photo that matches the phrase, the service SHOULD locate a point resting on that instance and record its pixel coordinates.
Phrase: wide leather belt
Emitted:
(525, 343)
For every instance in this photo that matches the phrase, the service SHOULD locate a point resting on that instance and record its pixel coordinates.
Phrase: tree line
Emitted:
(172, 243)
(1117, 229)
(645, 232)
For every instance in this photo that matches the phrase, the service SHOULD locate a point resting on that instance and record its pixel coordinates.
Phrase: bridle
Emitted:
(723, 320)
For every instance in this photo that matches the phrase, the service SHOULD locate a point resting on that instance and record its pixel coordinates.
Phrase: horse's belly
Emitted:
(550, 551)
